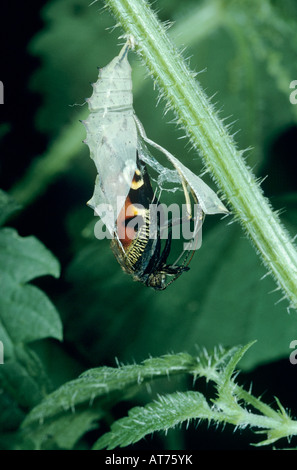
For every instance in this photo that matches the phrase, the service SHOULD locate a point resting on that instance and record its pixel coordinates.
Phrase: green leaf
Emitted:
(23, 384)
(62, 431)
(26, 313)
(108, 382)
(226, 375)
(11, 414)
(25, 258)
(165, 413)
(23, 388)
(232, 405)
(82, 401)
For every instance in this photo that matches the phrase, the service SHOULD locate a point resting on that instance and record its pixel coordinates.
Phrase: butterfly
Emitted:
(137, 219)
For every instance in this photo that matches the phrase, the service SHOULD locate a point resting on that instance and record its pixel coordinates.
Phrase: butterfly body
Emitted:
(138, 246)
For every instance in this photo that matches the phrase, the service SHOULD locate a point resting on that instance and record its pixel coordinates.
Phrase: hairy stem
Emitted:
(208, 134)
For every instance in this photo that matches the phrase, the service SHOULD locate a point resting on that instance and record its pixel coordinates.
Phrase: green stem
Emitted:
(207, 132)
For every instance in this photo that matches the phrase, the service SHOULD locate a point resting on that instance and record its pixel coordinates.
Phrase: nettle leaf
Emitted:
(62, 431)
(25, 258)
(23, 385)
(80, 402)
(105, 382)
(161, 415)
(26, 313)
(68, 412)
(232, 404)
(20, 380)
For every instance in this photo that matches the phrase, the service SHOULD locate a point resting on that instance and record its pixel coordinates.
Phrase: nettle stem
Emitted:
(208, 134)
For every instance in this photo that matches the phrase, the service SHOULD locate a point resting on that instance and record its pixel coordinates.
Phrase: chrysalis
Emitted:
(112, 135)
(124, 196)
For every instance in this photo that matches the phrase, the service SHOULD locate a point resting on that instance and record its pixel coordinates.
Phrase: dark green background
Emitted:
(49, 55)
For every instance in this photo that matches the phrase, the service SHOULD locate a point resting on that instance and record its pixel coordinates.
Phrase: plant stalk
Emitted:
(217, 147)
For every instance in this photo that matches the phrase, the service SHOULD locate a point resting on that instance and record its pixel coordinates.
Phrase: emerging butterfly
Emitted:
(138, 245)
(137, 221)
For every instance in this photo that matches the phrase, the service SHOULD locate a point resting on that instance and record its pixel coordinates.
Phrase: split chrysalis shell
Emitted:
(112, 134)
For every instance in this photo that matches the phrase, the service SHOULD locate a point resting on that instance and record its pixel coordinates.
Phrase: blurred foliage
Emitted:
(26, 315)
(247, 52)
